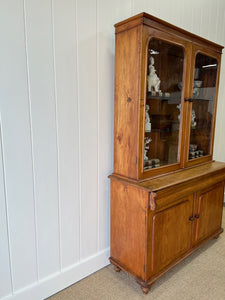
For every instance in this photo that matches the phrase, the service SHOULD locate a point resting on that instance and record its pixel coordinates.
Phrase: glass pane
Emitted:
(203, 105)
(163, 103)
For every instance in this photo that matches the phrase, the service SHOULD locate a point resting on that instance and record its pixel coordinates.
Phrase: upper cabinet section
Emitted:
(166, 83)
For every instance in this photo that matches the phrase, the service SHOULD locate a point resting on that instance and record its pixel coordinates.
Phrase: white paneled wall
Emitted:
(65, 66)
(56, 132)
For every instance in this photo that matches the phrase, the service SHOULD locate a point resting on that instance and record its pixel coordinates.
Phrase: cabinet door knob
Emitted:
(197, 216)
(191, 219)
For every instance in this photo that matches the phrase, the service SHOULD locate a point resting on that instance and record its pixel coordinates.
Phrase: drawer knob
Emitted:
(197, 216)
(191, 219)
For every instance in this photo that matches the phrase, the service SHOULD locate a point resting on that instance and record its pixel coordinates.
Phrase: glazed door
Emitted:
(171, 234)
(208, 212)
(166, 66)
(202, 106)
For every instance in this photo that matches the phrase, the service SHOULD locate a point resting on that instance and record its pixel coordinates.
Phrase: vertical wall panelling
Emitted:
(106, 12)
(218, 13)
(122, 10)
(151, 7)
(196, 13)
(210, 21)
(164, 11)
(16, 144)
(6, 285)
(98, 123)
(64, 20)
(204, 20)
(186, 18)
(43, 114)
(219, 144)
(31, 136)
(57, 133)
(139, 6)
(79, 131)
(175, 12)
(132, 7)
(87, 51)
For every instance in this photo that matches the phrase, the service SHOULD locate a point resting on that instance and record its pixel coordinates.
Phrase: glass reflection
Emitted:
(163, 103)
(204, 88)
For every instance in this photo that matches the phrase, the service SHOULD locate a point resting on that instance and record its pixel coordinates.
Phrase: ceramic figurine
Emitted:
(193, 122)
(147, 141)
(153, 79)
(147, 120)
(179, 107)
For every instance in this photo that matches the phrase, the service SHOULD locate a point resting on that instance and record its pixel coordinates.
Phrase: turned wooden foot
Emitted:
(216, 237)
(145, 290)
(117, 269)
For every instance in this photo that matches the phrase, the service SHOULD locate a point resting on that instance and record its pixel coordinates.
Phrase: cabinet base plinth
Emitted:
(146, 285)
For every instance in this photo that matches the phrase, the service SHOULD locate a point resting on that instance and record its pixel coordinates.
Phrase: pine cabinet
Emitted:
(166, 191)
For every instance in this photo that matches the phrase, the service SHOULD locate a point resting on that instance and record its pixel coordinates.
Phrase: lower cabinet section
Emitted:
(151, 231)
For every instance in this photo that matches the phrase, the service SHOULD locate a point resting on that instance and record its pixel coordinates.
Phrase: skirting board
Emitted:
(59, 281)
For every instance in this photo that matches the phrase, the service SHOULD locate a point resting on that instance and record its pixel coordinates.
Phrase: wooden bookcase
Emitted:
(166, 191)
